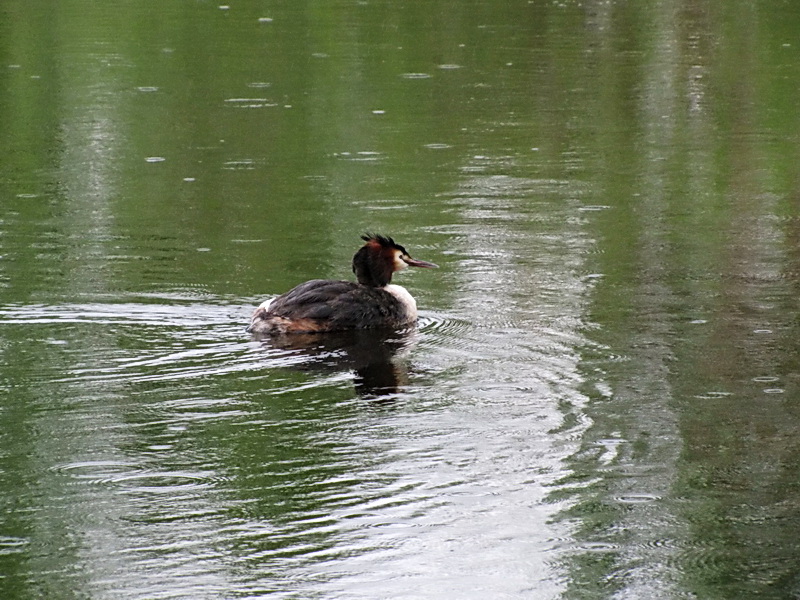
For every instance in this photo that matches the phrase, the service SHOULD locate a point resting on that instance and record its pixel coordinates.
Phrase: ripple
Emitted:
(98, 472)
(439, 323)
(713, 395)
(360, 156)
(133, 477)
(250, 102)
(636, 498)
(179, 314)
(12, 545)
(194, 340)
(245, 164)
(163, 482)
(668, 543)
(449, 331)
(697, 557)
(598, 547)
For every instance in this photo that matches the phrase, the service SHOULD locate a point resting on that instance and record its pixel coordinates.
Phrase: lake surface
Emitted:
(602, 397)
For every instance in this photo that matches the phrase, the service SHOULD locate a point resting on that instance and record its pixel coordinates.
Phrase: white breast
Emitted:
(406, 299)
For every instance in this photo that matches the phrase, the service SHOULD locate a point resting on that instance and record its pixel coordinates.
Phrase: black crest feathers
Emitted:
(384, 240)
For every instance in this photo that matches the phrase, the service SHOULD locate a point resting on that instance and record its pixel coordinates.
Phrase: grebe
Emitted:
(326, 305)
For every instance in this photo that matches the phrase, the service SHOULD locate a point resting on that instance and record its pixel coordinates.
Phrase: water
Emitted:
(599, 399)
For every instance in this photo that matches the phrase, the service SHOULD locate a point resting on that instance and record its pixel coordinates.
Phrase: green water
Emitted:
(601, 398)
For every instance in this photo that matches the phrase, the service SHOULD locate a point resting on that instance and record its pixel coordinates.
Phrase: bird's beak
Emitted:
(412, 262)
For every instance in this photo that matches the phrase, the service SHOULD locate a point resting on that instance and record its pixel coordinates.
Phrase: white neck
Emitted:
(406, 299)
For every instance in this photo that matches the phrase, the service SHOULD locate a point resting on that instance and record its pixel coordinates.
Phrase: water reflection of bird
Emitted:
(375, 356)
(322, 305)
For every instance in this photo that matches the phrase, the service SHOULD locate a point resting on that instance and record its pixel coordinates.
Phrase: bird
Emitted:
(323, 305)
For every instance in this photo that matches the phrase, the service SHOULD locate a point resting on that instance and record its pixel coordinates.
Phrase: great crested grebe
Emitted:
(327, 305)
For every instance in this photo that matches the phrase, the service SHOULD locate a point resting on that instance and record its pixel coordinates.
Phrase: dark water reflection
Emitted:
(600, 398)
(374, 355)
